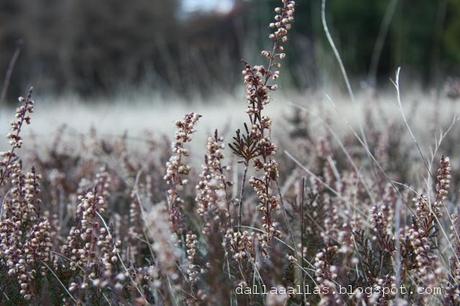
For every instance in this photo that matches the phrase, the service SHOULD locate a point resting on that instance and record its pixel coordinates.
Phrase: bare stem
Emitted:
(240, 204)
(9, 72)
(302, 229)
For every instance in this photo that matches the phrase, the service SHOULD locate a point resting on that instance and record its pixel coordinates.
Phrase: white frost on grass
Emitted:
(136, 115)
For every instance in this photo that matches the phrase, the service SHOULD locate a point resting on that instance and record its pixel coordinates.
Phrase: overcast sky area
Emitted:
(207, 5)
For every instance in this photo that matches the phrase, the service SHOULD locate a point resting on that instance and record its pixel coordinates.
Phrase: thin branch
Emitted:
(60, 282)
(401, 110)
(335, 50)
(380, 42)
(9, 72)
(241, 197)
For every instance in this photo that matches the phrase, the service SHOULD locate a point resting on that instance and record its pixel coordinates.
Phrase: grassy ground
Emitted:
(338, 196)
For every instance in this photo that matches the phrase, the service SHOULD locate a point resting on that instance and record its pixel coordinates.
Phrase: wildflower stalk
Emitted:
(22, 116)
(177, 170)
(255, 145)
(212, 203)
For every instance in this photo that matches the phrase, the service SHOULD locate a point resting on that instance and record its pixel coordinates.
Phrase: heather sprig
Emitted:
(177, 170)
(14, 136)
(256, 146)
(212, 199)
(25, 241)
(165, 247)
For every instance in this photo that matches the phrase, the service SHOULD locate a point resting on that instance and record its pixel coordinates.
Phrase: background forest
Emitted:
(99, 48)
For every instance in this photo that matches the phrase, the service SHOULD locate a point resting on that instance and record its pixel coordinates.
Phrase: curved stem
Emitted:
(380, 42)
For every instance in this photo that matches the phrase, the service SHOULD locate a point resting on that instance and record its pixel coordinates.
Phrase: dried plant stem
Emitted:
(341, 65)
(302, 230)
(9, 72)
(285, 215)
(60, 282)
(378, 47)
(241, 197)
(406, 122)
(299, 164)
(121, 259)
(345, 151)
(336, 51)
(398, 246)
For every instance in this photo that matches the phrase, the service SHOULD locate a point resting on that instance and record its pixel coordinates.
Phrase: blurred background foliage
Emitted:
(101, 48)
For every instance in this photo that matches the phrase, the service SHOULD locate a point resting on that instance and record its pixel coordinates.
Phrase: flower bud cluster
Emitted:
(211, 196)
(193, 270)
(25, 242)
(428, 267)
(239, 245)
(326, 275)
(442, 184)
(90, 247)
(14, 136)
(177, 170)
(282, 23)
